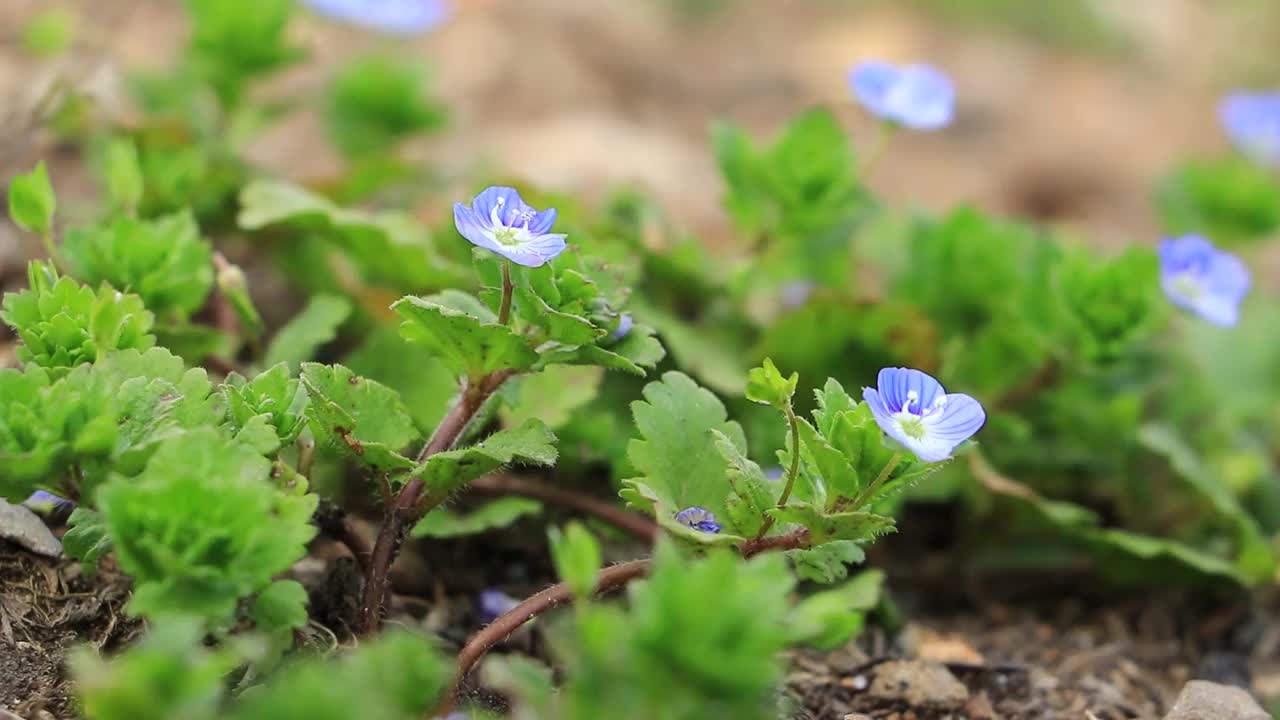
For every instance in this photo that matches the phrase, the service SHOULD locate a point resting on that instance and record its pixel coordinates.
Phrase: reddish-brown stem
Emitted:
(408, 505)
(633, 523)
(611, 578)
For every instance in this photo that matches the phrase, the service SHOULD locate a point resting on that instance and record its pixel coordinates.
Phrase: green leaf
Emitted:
(316, 325)
(443, 522)
(387, 248)
(837, 476)
(63, 324)
(765, 385)
(577, 557)
(551, 395)
(358, 417)
(472, 347)
(701, 350)
(828, 619)
(259, 434)
(753, 495)
(282, 606)
(676, 454)
(1130, 559)
(396, 676)
(272, 399)
(1232, 200)
(826, 563)
(31, 201)
(49, 32)
(862, 527)
(427, 386)
(235, 41)
(377, 101)
(1255, 559)
(168, 673)
(124, 174)
(446, 472)
(203, 526)
(86, 538)
(164, 261)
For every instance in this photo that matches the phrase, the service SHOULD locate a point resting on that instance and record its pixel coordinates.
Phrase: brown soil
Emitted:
(46, 608)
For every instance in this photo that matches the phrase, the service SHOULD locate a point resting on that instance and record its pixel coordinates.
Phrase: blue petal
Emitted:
(472, 227)
(957, 421)
(1252, 122)
(1227, 276)
(543, 221)
(896, 384)
(871, 82)
(924, 99)
(487, 200)
(535, 253)
(398, 17)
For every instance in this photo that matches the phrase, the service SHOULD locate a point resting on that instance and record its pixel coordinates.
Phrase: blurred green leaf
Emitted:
(444, 522)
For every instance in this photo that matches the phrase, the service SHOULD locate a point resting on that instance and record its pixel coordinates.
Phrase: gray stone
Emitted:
(19, 525)
(919, 683)
(1204, 700)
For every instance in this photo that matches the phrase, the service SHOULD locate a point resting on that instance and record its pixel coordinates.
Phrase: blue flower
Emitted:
(912, 408)
(919, 97)
(796, 293)
(494, 603)
(1198, 277)
(624, 326)
(500, 221)
(699, 519)
(46, 502)
(1252, 122)
(773, 473)
(394, 17)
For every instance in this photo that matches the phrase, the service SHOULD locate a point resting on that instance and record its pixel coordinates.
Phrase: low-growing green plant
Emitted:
(1124, 400)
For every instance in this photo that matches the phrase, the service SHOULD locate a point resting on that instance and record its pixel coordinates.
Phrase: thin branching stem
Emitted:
(867, 494)
(792, 471)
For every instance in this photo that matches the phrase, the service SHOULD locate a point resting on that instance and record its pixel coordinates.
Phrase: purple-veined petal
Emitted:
(543, 221)
(957, 421)
(491, 198)
(472, 227)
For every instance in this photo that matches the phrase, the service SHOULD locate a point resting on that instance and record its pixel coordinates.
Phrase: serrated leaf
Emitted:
(259, 434)
(203, 526)
(316, 325)
(823, 527)
(271, 394)
(560, 327)
(31, 200)
(360, 418)
(63, 324)
(445, 472)
(833, 401)
(765, 385)
(426, 385)
(826, 563)
(838, 477)
(443, 522)
(753, 495)
(86, 537)
(676, 453)
(164, 261)
(471, 347)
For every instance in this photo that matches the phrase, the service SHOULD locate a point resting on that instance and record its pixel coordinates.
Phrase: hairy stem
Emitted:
(610, 579)
(408, 506)
(866, 495)
(508, 289)
(637, 525)
(791, 472)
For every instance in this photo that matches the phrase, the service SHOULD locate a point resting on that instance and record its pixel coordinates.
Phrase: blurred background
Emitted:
(1069, 111)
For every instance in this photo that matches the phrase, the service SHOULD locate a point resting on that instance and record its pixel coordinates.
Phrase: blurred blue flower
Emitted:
(1199, 277)
(493, 603)
(1252, 122)
(394, 17)
(624, 326)
(500, 221)
(773, 473)
(912, 408)
(698, 519)
(919, 96)
(796, 293)
(42, 501)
